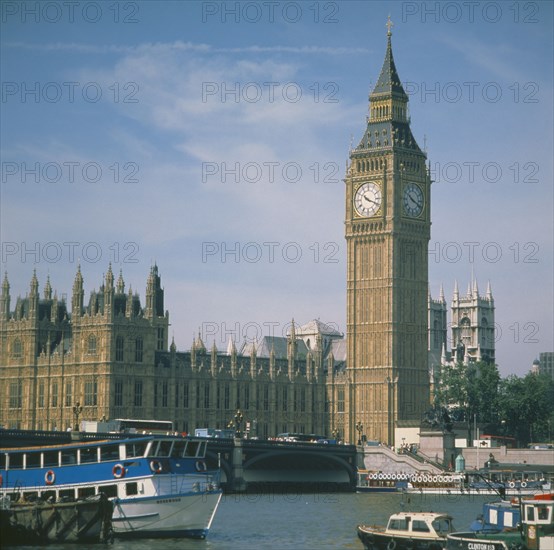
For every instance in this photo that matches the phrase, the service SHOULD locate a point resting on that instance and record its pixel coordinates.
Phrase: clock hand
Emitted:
(368, 200)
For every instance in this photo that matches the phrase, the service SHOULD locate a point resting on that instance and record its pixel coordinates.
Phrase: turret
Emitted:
(272, 362)
(291, 350)
(193, 354)
(129, 305)
(5, 299)
(109, 293)
(33, 296)
(489, 292)
(233, 360)
(120, 286)
(48, 289)
(78, 295)
(253, 362)
(214, 359)
(154, 295)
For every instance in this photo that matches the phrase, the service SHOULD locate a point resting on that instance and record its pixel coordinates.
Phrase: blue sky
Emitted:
(125, 128)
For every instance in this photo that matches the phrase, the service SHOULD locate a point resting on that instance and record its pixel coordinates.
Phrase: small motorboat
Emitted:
(408, 531)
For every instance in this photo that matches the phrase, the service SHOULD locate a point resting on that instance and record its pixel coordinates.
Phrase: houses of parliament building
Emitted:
(111, 355)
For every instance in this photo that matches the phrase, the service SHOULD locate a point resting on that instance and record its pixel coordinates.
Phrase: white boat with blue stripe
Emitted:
(160, 485)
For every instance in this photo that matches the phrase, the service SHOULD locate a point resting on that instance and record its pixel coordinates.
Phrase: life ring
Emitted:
(391, 545)
(524, 484)
(512, 484)
(393, 476)
(50, 477)
(156, 466)
(200, 466)
(118, 471)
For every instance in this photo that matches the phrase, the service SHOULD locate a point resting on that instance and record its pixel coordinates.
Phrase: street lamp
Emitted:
(77, 410)
(360, 429)
(237, 422)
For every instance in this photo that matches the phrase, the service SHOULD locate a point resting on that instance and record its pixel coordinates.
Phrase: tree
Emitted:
(526, 408)
(472, 388)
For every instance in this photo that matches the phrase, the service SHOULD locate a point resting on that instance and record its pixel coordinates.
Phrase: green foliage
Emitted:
(473, 388)
(522, 408)
(527, 408)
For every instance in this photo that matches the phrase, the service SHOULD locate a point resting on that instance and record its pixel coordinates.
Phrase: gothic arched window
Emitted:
(466, 330)
(91, 344)
(17, 348)
(119, 348)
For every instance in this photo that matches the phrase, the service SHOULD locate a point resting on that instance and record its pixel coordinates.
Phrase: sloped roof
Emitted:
(315, 326)
(389, 81)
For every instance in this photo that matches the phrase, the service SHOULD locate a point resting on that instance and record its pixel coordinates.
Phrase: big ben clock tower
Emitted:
(387, 232)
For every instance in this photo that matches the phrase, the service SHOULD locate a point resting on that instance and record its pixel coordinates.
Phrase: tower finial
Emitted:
(389, 24)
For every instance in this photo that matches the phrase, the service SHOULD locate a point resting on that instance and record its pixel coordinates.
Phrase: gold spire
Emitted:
(389, 24)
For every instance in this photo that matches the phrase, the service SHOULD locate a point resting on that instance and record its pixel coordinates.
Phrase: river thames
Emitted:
(302, 521)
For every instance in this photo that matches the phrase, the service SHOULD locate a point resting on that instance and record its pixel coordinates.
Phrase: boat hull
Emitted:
(188, 515)
(476, 541)
(372, 539)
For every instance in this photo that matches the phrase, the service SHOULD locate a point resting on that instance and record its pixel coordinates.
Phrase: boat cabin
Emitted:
(420, 524)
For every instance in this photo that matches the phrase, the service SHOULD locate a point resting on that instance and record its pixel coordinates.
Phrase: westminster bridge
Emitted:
(255, 465)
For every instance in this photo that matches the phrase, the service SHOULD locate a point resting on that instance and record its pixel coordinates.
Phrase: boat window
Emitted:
(108, 490)
(69, 457)
(50, 458)
(84, 492)
(33, 460)
(164, 449)
(420, 525)
(3, 461)
(89, 454)
(16, 461)
(202, 450)
(192, 448)
(399, 524)
(530, 513)
(133, 450)
(66, 494)
(131, 489)
(109, 452)
(45, 495)
(542, 513)
(178, 448)
(30, 496)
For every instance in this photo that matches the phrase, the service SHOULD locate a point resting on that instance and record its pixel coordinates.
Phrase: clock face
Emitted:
(413, 200)
(367, 199)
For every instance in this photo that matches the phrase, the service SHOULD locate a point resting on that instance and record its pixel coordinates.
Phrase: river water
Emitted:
(302, 521)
